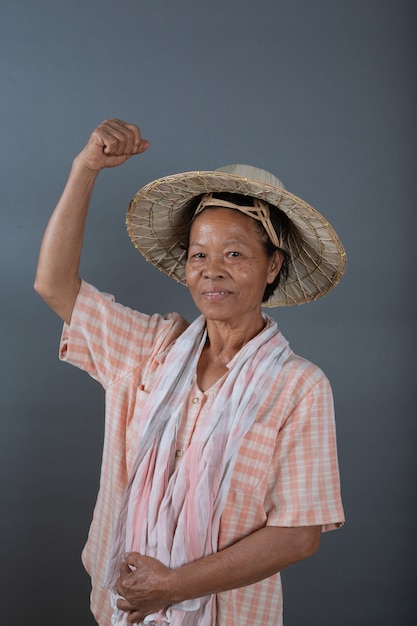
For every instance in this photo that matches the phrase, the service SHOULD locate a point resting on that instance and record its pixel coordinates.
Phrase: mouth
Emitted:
(215, 294)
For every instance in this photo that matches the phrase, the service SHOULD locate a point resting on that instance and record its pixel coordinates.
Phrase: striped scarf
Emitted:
(175, 516)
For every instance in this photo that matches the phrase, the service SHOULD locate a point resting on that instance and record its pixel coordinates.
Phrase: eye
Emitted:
(234, 253)
(196, 256)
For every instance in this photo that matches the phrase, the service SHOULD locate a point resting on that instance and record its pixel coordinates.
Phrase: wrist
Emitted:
(177, 587)
(81, 166)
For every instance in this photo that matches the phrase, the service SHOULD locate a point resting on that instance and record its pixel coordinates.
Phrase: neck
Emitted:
(225, 339)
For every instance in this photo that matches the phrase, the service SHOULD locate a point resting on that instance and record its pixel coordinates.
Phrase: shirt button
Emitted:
(196, 400)
(179, 453)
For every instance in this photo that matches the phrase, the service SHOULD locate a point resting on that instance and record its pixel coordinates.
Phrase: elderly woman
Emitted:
(219, 464)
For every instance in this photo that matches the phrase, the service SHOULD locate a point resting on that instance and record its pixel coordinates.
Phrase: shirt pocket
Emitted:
(254, 458)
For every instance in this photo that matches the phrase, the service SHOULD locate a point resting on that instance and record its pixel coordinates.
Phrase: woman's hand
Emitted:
(145, 586)
(111, 144)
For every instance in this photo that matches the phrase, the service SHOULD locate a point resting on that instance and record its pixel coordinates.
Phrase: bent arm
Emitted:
(254, 558)
(57, 277)
(148, 586)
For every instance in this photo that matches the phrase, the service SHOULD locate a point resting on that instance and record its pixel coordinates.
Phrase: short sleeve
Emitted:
(108, 340)
(304, 484)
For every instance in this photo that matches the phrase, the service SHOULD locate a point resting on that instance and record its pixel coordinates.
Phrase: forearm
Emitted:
(146, 585)
(57, 279)
(258, 556)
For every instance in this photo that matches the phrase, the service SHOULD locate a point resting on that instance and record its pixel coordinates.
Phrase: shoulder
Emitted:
(300, 369)
(298, 382)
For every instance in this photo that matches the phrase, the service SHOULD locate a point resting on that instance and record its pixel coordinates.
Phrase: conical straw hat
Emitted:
(157, 213)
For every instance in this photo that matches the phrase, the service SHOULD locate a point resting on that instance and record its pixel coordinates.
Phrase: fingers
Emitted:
(124, 605)
(134, 614)
(125, 571)
(134, 617)
(134, 558)
(118, 138)
(141, 586)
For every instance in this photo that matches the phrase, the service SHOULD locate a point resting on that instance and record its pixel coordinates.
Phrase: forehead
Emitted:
(223, 221)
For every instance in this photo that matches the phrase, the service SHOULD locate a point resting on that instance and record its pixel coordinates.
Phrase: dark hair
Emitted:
(279, 220)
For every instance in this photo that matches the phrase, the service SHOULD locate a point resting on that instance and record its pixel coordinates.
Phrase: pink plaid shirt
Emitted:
(286, 473)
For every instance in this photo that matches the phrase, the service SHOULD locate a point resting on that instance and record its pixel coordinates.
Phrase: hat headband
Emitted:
(258, 211)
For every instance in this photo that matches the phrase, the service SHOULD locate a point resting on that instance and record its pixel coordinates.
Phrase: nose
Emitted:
(214, 267)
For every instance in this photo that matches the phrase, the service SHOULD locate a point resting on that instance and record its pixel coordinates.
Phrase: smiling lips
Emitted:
(215, 293)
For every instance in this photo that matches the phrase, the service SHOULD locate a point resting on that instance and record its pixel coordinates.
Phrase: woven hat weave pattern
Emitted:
(155, 214)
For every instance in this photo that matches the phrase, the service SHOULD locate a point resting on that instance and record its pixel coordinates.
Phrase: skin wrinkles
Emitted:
(228, 269)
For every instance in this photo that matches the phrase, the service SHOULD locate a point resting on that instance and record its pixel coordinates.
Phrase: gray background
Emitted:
(323, 94)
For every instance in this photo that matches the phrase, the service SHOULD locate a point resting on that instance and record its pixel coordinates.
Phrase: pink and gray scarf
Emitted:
(175, 516)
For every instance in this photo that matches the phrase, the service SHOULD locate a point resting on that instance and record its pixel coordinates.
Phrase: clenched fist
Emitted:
(111, 144)
(146, 586)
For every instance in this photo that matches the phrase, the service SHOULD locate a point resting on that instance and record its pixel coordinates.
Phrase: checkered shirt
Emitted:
(286, 473)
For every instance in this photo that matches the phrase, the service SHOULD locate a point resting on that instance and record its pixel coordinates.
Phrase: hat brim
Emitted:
(317, 258)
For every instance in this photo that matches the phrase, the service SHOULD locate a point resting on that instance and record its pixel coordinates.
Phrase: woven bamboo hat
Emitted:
(157, 214)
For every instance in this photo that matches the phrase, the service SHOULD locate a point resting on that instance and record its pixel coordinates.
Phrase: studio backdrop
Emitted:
(322, 94)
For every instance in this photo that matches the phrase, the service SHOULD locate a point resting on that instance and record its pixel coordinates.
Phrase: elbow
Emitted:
(59, 300)
(39, 287)
(43, 290)
(309, 542)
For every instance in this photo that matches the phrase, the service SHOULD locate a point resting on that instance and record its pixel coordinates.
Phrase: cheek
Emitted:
(190, 273)
(250, 270)
(250, 279)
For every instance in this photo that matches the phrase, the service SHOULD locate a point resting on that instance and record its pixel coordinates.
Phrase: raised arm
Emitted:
(57, 277)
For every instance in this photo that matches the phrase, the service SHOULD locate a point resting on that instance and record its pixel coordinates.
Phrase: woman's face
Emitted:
(227, 267)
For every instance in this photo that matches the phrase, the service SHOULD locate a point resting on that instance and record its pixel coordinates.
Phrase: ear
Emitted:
(275, 266)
